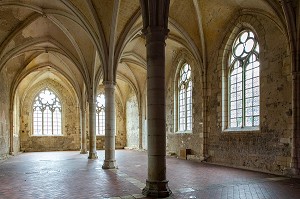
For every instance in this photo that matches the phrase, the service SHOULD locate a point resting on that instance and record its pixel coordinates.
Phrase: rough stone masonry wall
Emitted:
(184, 140)
(4, 114)
(70, 140)
(267, 149)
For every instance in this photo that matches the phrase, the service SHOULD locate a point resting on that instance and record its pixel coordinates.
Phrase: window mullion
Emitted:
(243, 95)
(185, 128)
(42, 122)
(52, 122)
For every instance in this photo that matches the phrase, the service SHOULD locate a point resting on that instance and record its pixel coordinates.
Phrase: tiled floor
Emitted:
(71, 175)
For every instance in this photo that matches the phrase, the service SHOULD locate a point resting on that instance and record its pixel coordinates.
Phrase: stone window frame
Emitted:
(238, 25)
(62, 112)
(242, 61)
(180, 63)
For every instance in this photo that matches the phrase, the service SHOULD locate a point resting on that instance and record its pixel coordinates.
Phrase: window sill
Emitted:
(47, 135)
(241, 130)
(103, 135)
(183, 132)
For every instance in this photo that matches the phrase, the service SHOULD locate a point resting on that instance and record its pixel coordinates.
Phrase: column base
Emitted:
(93, 156)
(159, 189)
(109, 164)
(83, 152)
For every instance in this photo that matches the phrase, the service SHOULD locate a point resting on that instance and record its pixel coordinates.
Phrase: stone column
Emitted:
(11, 130)
(110, 126)
(294, 41)
(140, 126)
(92, 127)
(155, 20)
(296, 124)
(83, 149)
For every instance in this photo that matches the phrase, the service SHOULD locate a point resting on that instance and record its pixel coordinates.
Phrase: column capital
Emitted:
(109, 83)
(155, 13)
(155, 33)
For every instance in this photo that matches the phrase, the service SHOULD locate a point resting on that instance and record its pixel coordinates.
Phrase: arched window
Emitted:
(47, 114)
(100, 115)
(244, 81)
(185, 98)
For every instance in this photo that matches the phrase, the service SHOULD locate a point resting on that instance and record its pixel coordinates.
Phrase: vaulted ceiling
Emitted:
(81, 41)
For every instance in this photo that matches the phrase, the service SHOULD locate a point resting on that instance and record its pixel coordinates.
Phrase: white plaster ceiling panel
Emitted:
(44, 30)
(140, 75)
(104, 9)
(137, 46)
(183, 12)
(172, 48)
(124, 89)
(125, 71)
(127, 9)
(83, 7)
(81, 39)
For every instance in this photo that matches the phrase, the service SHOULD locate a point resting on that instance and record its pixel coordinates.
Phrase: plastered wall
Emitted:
(132, 124)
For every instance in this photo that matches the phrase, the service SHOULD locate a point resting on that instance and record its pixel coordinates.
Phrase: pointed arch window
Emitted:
(185, 98)
(244, 85)
(47, 118)
(100, 114)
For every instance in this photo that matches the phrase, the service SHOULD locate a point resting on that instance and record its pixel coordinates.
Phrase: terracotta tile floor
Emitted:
(71, 175)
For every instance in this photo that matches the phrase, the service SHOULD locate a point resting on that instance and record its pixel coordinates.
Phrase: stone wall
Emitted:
(267, 149)
(132, 121)
(194, 139)
(4, 114)
(70, 140)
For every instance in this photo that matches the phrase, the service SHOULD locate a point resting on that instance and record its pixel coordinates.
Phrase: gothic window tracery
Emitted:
(244, 85)
(47, 114)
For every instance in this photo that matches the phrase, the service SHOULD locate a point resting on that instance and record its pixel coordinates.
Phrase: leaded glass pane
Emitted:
(255, 101)
(248, 121)
(239, 122)
(240, 104)
(239, 112)
(233, 122)
(256, 110)
(249, 111)
(256, 121)
(233, 114)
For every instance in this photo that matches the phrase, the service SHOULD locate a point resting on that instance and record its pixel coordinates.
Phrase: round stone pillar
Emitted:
(92, 128)
(83, 149)
(110, 126)
(156, 184)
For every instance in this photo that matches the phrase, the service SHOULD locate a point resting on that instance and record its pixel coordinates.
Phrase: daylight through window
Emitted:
(244, 81)
(185, 98)
(100, 115)
(47, 114)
